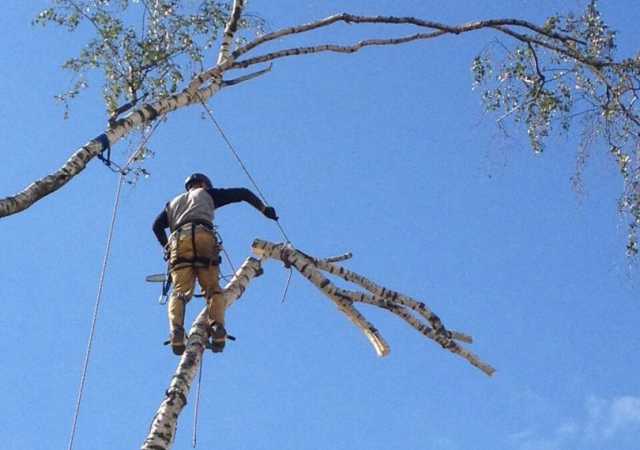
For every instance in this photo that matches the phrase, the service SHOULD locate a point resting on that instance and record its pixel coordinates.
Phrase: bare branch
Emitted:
(379, 296)
(244, 78)
(116, 131)
(536, 62)
(338, 258)
(391, 20)
(333, 48)
(424, 329)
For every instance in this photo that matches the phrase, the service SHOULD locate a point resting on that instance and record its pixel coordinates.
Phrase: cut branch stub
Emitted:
(399, 304)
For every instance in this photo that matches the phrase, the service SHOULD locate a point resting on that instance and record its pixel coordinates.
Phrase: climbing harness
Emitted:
(163, 278)
(188, 231)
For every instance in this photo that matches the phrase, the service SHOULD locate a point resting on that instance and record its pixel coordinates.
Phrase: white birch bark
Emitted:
(304, 264)
(120, 128)
(399, 304)
(423, 328)
(557, 42)
(230, 31)
(163, 427)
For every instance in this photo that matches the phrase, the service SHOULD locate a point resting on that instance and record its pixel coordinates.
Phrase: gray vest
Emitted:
(195, 205)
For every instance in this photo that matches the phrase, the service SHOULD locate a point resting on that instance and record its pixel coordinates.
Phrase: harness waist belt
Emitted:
(188, 224)
(185, 231)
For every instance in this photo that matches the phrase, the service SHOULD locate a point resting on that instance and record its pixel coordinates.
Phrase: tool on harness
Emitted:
(165, 279)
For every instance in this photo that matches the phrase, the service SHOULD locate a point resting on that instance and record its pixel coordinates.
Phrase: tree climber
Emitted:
(192, 250)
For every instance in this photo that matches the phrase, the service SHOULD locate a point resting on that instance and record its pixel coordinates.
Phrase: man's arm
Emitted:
(223, 197)
(161, 222)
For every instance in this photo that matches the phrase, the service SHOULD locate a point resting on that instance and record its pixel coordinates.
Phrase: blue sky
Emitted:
(385, 153)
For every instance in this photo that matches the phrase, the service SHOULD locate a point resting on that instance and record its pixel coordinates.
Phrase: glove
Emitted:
(270, 213)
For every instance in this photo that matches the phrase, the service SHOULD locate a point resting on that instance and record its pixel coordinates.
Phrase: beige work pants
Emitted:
(184, 275)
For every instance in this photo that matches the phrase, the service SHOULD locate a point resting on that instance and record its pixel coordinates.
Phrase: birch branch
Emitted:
(385, 293)
(338, 258)
(165, 421)
(305, 266)
(164, 424)
(446, 343)
(556, 42)
(297, 51)
(382, 297)
(230, 31)
(244, 78)
(147, 113)
(391, 20)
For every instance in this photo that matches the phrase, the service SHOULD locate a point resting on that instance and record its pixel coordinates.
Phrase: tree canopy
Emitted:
(154, 56)
(398, 206)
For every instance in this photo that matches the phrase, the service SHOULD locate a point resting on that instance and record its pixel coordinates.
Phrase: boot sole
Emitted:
(178, 349)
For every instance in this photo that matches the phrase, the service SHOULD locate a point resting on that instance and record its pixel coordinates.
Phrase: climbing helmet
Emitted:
(197, 178)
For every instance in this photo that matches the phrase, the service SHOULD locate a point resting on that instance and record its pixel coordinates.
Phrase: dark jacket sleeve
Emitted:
(223, 197)
(161, 222)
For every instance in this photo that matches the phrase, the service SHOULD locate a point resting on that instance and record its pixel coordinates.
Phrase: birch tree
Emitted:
(545, 77)
(415, 313)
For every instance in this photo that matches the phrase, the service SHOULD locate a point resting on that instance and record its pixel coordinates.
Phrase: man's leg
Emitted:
(183, 281)
(207, 247)
(216, 304)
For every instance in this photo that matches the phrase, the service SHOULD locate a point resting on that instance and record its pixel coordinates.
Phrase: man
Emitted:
(192, 251)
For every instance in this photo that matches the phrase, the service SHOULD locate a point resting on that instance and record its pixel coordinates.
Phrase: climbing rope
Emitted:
(96, 308)
(85, 366)
(242, 165)
(264, 200)
(194, 441)
(253, 181)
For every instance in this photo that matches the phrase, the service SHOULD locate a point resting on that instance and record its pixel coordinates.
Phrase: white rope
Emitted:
(96, 308)
(242, 165)
(85, 366)
(194, 442)
(255, 185)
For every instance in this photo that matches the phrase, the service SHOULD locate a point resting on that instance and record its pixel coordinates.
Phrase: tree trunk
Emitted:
(163, 427)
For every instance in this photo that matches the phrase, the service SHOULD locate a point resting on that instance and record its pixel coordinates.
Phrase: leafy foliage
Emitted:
(547, 82)
(563, 71)
(142, 47)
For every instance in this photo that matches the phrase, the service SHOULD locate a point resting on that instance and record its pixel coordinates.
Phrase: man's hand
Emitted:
(269, 212)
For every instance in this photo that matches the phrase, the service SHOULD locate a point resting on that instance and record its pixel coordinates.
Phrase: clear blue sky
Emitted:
(387, 154)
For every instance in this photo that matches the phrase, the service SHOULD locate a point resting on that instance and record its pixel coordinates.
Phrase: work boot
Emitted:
(177, 340)
(218, 336)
